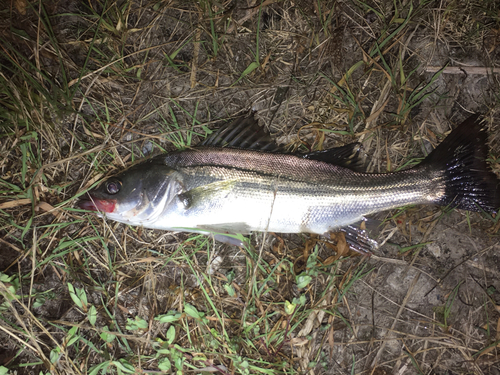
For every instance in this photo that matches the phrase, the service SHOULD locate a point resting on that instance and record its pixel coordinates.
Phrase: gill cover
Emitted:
(137, 195)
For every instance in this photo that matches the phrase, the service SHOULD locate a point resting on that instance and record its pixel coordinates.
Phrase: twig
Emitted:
(388, 336)
(480, 70)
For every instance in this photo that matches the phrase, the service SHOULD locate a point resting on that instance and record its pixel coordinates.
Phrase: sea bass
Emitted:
(236, 182)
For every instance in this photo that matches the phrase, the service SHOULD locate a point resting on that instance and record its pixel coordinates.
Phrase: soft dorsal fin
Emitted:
(347, 156)
(242, 133)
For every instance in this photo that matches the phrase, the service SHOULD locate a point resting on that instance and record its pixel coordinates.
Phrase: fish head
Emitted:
(136, 196)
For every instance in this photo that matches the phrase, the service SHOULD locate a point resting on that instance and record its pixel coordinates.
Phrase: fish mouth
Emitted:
(93, 204)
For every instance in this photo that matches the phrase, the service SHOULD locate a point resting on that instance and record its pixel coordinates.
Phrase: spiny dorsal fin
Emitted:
(242, 133)
(347, 156)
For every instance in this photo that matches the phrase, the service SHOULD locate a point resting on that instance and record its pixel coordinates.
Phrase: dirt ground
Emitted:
(88, 88)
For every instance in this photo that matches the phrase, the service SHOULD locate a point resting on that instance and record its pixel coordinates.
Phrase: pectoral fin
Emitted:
(209, 192)
(230, 233)
(228, 240)
(230, 228)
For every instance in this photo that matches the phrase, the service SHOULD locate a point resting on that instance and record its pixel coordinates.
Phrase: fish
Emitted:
(239, 181)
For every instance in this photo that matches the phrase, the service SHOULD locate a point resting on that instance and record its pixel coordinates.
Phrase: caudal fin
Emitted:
(470, 183)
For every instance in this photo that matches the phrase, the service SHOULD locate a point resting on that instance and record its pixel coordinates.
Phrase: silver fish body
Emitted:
(230, 190)
(241, 191)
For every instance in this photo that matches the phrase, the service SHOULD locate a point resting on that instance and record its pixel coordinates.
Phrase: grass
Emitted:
(88, 89)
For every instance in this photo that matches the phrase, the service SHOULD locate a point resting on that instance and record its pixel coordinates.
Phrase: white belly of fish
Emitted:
(243, 210)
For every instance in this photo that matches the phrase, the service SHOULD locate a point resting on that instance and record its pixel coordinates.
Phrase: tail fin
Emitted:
(470, 183)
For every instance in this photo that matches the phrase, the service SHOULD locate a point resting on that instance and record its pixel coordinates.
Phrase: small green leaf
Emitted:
(29, 136)
(92, 315)
(72, 331)
(312, 259)
(179, 363)
(171, 316)
(136, 324)
(191, 311)
(253, 65)
(171, 335)
(73, 340)
(106, 335)
(3, 370)
(289, 308)
(73, 293)
(303, 281)
(101, 366)
(299, 301)
(230, 276)
(54, 355)
(72, 337)
(11, 283)
(5, 278)
(230, 290)
(83, 297)
(124, 366)
(199, 357)
(164, 365)
(214, 333)
(39, 301)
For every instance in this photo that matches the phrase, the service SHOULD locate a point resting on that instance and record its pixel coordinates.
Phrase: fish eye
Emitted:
(113, 187)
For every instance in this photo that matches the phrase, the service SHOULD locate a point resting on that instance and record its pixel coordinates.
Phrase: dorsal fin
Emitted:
(247, 134)
(242, 133)
(347, 156)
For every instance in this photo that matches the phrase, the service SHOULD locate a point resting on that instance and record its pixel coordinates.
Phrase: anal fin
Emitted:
(358, 240)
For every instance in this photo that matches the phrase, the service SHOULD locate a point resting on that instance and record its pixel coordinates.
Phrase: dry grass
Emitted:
(86, 88)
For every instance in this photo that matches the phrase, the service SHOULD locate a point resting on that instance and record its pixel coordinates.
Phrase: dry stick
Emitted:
(196, 53)
(78, 114)
(440, 280)
(11, 246)
(250, 12)
(104, 147)
(426, 344)
(254, 275)
(480, 70)
(481, 267)
(377, 108)
(416, 253)
(15, 203)
(23, 343)
(427, 339)
(33, 266)
(303, 352)
(400, 311)
(29, 334)
(72, 82)
(383, 99)
(94, 149)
